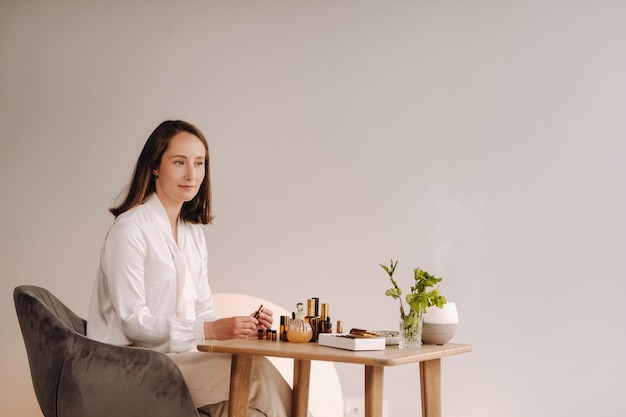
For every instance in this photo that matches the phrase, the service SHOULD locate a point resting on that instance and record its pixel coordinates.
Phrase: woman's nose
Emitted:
(191, 173)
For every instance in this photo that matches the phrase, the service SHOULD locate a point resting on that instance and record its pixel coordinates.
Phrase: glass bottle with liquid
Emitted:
(299, 330)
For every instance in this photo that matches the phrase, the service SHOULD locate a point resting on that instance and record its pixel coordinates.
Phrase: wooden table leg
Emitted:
(430, 385)
(374, 378)
(301, 380)
(240, 372)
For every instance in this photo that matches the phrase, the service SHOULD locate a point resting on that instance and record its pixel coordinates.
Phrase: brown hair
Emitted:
(142, 184)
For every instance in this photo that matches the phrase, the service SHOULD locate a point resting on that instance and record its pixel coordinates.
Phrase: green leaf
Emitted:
(419, 298)
(394, 292)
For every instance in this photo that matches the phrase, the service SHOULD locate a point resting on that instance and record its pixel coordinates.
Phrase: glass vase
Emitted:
(411, 329)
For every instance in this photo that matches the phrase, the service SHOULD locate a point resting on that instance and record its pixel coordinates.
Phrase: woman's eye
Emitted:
(179, 162)
(200, 163)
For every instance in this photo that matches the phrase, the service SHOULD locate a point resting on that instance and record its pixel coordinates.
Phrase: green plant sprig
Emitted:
(420, 298)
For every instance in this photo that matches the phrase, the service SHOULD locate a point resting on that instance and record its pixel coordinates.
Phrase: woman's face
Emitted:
(181, 171)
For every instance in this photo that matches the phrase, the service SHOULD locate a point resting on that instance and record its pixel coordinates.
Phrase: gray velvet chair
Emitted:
(74, 376)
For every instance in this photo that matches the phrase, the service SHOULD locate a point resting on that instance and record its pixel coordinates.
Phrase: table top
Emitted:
(391, 356)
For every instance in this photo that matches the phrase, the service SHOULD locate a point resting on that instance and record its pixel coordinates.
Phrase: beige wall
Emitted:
(482, 140)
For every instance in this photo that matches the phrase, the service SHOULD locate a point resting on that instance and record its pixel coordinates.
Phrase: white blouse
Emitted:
(151, 291)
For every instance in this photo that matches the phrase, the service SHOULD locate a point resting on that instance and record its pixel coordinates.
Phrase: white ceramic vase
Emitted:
(440, 324)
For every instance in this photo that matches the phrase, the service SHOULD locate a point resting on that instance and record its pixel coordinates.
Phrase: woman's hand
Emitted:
(265, 319)
(238, 327)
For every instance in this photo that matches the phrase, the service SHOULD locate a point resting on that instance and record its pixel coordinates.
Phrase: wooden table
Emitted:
(244, 350)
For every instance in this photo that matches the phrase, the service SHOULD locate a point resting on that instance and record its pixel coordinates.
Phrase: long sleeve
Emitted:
(124, 263)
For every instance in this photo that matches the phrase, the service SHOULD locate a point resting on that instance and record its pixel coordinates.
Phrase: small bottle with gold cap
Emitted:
(326, 324)
(312, 317)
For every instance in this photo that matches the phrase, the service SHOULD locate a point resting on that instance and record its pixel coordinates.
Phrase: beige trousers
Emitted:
(207, 376)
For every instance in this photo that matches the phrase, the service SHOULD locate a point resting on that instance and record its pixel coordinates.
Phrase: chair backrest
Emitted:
(74, 376)
(46, 325)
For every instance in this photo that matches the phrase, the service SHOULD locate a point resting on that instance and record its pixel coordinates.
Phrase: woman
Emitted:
(152, 289)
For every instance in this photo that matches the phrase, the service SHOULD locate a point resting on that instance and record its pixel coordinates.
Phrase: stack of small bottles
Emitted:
(268, 334)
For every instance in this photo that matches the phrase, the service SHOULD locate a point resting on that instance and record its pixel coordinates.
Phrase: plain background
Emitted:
(481, 140)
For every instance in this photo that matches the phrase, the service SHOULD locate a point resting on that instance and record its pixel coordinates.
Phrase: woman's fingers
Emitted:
(265, 319)
(245, 325)
(238, 327)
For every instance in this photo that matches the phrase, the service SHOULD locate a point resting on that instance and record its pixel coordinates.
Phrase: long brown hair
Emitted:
(142, 184)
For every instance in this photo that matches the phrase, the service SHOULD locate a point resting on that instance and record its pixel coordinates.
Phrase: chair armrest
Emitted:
(99, 379)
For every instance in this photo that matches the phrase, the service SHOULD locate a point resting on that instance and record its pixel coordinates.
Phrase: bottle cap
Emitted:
(325, 311)
(299, 311)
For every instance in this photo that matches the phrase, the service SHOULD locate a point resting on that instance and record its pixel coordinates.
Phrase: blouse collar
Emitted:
(156, 207)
